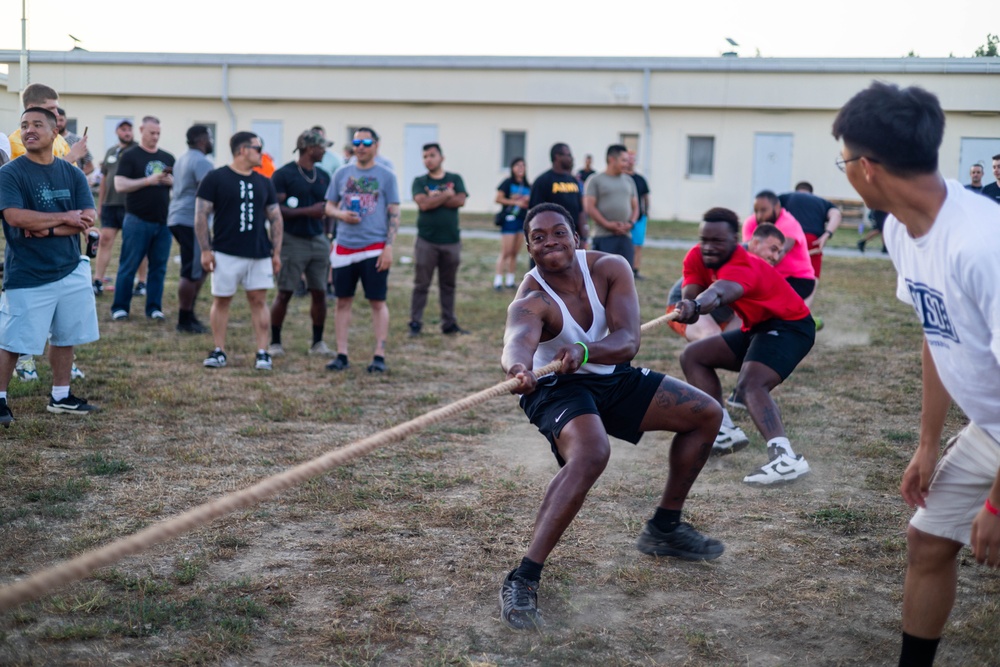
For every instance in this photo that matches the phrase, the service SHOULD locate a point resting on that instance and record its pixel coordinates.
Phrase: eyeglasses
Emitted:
(842, 163)
(259, 149)
(367, 143)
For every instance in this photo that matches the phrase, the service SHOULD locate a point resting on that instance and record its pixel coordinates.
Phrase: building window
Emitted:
(701, 156)
(513, 147)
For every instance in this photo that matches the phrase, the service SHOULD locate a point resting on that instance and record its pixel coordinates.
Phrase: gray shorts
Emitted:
(308, 256)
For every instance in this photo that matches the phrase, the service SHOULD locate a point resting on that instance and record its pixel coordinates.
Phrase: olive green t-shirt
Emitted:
(439, 225)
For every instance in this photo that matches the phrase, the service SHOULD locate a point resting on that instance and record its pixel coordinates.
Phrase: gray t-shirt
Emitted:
(613, 195)
(189, 170)
(373, 189)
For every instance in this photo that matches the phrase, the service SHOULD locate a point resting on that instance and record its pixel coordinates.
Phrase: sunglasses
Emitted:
(259, 149)
(363, 142)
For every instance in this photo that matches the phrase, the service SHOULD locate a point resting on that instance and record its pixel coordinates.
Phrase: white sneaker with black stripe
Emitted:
(729, 440)
(782, 468)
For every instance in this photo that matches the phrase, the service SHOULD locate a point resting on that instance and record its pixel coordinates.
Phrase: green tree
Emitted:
(989, 49)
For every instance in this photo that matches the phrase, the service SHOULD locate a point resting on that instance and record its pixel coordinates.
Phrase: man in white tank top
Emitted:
(582, 308)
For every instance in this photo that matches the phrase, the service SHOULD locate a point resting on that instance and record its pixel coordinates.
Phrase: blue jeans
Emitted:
(142, 239)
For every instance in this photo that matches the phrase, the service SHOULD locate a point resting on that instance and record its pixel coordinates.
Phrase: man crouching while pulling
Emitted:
(582, 308)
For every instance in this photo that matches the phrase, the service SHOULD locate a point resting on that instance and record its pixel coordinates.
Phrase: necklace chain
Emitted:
(307, 179)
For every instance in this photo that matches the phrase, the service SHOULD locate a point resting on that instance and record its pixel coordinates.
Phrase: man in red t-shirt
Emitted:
(776, 335)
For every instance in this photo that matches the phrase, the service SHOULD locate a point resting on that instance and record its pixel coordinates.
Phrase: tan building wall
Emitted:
(587, 103)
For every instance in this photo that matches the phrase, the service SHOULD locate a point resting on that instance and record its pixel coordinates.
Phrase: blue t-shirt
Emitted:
(375, 189)
(51, 188)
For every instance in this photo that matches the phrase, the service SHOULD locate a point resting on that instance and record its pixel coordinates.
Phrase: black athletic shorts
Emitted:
(374, 282)
(778, 344)
(112, 217)
(802, 286)
(620, 399)
(190, 252)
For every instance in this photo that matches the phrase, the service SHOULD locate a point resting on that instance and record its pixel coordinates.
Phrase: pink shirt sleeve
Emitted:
(795, 264)
(749, 225)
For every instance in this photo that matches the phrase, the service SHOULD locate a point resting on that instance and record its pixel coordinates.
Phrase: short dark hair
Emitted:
(49, 116)
(368, 130)
(35, 94)
(996, 157)
(614, 150)
(555, 150)
(804, 185)
(766, 230)
(900, 128)
(239, 140)
(719, 214)
(436, 146)
(61, 111)
(195, 133)
(769, 196)
(548, 207)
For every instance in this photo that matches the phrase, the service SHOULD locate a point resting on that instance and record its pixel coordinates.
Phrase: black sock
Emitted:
(665, 520)
(275, 335)
(917, 652)
(317, 333)
(342, 357)
(185, 316)
(529, 570)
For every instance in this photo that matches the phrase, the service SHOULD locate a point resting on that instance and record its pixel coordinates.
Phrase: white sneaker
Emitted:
(24, 369)
(276, 350)
(734, 402)
(729, 440)
(263, 361)
(782, 468)
(157, 316)
(75, 373)
(320, 349)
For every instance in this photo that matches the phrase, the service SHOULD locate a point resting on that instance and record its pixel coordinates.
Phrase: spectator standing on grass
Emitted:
(639, 229)
(301, 187)
(992, 190)
(145, 176)
(942, 241)
(976, 178)
(582, 308)
(559, 186)
(189, 171)
(364, 199)
(239, 252)
(611, 201)
(877, 218)
(438, 195)
(514, 195)
(85, 163)
(587, 171)
(111, 205)
(331, 162)
(45, 204)
(794, 265)
(776, 335)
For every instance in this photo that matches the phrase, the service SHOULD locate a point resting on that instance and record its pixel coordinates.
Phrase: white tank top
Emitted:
(571, 329)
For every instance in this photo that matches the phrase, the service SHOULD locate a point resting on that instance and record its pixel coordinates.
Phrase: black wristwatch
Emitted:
(697, 307)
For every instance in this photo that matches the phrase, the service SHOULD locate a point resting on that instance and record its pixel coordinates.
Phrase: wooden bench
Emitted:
(852, 209)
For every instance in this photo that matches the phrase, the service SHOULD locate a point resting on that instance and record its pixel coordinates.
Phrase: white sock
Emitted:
(498, 280)
(510, 280)
(783, 443)
(3, 396)
(59, 393)
(727, 421)
(261, 351)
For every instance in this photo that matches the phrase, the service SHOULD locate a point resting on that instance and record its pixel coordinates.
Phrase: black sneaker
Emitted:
(140, 289)
(98, 288)
(415, 328)
(6, 416)
(684, 542)
(519, 603)
(71, 405)
(377, 366)
(215, 359)
(193, 327)
(339, 364)
(453, 330)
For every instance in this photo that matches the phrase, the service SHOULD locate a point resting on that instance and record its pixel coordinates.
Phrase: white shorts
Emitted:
(231, 272)
(961, 482)
(64, 308)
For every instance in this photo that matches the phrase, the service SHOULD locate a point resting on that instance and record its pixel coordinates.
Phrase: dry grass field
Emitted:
(396, 559)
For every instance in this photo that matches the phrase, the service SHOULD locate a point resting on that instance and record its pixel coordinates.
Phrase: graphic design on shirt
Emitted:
(154, 167)
(929, 304)
(366, 188)
(246, 206)
(47, 197)
(571, 188)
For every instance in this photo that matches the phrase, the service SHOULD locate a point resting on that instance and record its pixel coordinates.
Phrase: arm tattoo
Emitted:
(273, 213)
(390, 236)
(202, 209)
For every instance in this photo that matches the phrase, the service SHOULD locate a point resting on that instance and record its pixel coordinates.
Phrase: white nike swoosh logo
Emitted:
(782, 468)
(561, 415)
(772, 332)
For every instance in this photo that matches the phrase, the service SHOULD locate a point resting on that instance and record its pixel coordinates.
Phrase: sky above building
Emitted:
(767, 28)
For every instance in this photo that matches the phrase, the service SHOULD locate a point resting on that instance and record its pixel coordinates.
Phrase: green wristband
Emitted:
(586, 351)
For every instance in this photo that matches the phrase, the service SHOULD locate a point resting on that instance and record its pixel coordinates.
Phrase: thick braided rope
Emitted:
(40, 583)
(76, 569)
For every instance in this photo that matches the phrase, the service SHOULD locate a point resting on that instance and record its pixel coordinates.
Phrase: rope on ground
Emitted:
(41, 583)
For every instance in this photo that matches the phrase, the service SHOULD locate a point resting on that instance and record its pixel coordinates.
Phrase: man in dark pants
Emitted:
(595, 392)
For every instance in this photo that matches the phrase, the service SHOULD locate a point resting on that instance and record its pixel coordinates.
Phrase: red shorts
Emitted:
(817, 259)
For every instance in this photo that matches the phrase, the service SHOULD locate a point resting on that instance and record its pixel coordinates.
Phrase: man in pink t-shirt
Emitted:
(794, 265)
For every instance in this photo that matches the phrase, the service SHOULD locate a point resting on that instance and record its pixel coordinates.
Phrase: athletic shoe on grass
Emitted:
(71, 405)
(519, 603)
(781, 469)
(157, 316)
(734, 402)
(216, 359)
(6, 416)
(339, 364)
(376, 366)
(320, 349)
(683, 542)
(140, 289)
(276, 350)
(263, 361)
(25, 369)
(75, 373)
(729, 440)
(119, 315)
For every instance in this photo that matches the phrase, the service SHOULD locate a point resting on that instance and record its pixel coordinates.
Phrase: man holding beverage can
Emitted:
(364, 198)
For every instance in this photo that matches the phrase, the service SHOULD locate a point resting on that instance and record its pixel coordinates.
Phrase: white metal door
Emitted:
(270, 133)
(772, 162)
